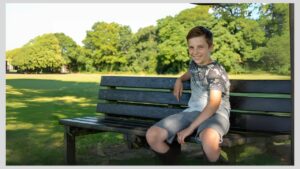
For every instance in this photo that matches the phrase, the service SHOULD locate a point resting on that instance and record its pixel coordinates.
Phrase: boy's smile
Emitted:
(199, 50)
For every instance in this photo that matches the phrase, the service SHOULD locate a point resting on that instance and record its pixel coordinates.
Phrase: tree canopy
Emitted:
(247, 37)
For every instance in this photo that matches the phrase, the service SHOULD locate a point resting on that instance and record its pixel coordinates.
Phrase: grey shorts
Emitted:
(182, 120)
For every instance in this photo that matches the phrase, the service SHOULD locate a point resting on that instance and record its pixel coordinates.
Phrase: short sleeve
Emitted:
(192, 66)
(215, 80)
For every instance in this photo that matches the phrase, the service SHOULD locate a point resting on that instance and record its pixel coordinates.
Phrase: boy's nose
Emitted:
(196, 52)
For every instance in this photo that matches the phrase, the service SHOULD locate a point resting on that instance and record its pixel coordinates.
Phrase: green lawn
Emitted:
(35, 103)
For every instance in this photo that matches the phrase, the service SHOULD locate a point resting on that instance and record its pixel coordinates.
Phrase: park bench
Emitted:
(130, 105)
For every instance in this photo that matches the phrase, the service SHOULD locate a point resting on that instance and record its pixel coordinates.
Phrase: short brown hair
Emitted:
(201, 31)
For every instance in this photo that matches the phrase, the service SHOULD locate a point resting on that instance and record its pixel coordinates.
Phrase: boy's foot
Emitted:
(220, 161)
(172, 156)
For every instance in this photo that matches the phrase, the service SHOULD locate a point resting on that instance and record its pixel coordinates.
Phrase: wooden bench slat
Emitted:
(101, 127)
(237, 102)
(261, 86)
(135, 121)
(247, 86)
(143, 96)
(261, 104)
(140, 82)
(260, 123)
(136, 110)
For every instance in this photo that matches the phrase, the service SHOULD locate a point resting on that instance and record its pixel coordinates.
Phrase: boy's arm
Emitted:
(178, 87)
(185, 76)
(209, 110)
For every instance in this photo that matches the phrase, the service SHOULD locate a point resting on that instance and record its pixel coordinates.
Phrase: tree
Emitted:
(108, 43)
(10, 54)
(276, 54)
(274, 18)
(226, 46)
(243, 38)
(172, 51)
(42, 54)
(70, 51)
(142, 56)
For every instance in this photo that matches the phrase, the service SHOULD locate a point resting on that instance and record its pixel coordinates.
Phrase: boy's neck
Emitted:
(208, 61)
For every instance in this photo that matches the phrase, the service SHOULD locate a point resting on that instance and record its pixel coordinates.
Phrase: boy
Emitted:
(208, 108)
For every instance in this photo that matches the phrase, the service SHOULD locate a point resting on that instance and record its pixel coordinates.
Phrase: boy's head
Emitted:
(200, 45)
(201, 31)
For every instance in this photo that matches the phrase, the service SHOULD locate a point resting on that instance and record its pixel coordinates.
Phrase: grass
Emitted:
(35, 103)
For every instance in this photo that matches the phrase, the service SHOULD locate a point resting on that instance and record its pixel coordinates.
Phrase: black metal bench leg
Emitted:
(69, 147)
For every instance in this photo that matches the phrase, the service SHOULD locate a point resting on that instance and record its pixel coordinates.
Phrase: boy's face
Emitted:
(199, 50)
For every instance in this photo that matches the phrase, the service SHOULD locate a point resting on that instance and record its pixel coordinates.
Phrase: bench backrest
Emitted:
(257, 105)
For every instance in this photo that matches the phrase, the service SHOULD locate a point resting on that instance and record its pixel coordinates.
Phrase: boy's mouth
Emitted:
(197, 57)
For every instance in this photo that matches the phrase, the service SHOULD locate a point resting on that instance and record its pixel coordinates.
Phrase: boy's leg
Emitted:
(210, 139)
(167, 153)
(165, 131)
(161, 137)
(156, 137)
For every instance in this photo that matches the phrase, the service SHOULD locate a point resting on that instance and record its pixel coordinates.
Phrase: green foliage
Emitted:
(10, 54)
(70, 51)
(275, 18)
(225, 47)
(242, 43)
(142, 56)
(108, 43)
(172, 51)
(276, 55)
(42, 54)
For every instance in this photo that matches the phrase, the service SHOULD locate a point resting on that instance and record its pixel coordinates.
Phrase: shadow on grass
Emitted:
(33, 108)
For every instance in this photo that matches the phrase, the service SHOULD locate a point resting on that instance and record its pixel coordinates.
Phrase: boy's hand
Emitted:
(178, 88)
(183, 134)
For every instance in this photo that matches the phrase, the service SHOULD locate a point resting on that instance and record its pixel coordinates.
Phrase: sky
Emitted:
(25, 21)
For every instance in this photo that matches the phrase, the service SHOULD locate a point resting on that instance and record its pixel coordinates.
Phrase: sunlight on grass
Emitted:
(43, 130)
(249, 151)
(81, 77)
(20, 92)
(12, 91)
(66, 99)
(11, 118)
(259, 77)
(15, 105)
(59, 116)
(85, 104)
(61, 77)
(13, 125)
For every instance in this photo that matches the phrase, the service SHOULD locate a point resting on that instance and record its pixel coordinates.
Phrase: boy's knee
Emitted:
(154, 135)
(151, 135)
(209, 135)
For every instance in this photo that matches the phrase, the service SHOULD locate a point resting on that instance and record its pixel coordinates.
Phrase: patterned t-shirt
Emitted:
(203, 79)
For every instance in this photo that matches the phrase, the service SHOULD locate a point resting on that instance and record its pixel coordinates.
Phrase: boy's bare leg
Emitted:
(156, 137)
(210, 142)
